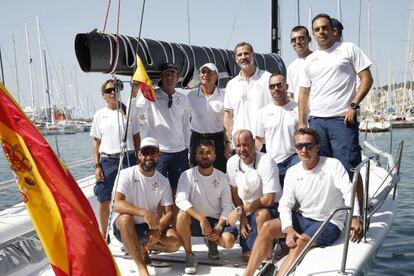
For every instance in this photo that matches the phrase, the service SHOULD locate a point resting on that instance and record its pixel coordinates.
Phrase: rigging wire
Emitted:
(234, 24)
(106, 16)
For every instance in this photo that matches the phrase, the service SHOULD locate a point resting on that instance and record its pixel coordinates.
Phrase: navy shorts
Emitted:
(247, 244)
(286, 164)
(141, 229)
(308, 226)
(196, 228)
(338, 141)
(103, 189)
(171, 165)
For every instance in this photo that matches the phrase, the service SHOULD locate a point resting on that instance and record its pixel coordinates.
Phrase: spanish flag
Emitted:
(60, 213)
(144, 82)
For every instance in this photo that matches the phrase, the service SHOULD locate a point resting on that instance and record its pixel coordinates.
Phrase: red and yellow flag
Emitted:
(144, 82)
(61, 214)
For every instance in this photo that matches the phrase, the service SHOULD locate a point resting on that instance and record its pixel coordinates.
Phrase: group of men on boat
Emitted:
(252, 156)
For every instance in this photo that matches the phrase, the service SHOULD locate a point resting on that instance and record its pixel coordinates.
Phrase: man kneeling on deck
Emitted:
(139, 192)
(204, 199)
(317, 185)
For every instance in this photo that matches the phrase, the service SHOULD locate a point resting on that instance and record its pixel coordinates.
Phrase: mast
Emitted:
(275, 27)
(410, 29)
(29, 58)
(2, 71)
(48, 109)
(17, 74)
(42, 70)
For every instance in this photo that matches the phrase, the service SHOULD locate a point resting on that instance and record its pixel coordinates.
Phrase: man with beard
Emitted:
(313, 188)
(276, 124)
(245, 94)
(139, 192)
(204, 199)
(255, 189)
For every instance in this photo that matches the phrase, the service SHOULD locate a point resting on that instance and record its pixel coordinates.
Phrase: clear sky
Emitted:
(215, 23)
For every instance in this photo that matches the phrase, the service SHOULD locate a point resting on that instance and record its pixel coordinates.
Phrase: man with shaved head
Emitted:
(255, 188)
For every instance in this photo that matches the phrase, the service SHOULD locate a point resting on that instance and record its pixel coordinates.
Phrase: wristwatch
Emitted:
(354, 106)
(239, 210)
(95, 165)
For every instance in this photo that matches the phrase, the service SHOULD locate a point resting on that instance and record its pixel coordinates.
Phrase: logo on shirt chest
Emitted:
(155, 186)
(215, 183)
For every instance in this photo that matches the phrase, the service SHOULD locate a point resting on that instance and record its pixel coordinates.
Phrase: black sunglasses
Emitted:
(297, 39)
(149, 152)
(308, 146)
(278, 85)
(109, 90)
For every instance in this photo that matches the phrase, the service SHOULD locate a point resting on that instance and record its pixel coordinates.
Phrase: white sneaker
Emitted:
(190, 264)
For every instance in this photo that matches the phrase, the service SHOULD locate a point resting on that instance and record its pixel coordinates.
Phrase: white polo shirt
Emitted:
(170, 126)
(207, 112)
(277, 125)
(209, 195)
(331, 74)
(144, 192)
(318, 192)
(245, 98)
(292, 77)
(109, 126)
(267, 171)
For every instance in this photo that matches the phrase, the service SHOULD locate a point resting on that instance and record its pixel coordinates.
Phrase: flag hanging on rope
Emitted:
(61, 214)
(144, 82)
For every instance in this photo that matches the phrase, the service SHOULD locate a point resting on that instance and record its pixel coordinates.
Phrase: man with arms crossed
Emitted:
(139, 192)
(255, 189)
(317, 185)
(204, 199)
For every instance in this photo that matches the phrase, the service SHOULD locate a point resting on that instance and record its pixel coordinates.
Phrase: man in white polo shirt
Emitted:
(204, 199)
(245, 94)
(141, 189)
(276, 124)
(169, 123)
(207, 111)
(313, 189)
(255, 189)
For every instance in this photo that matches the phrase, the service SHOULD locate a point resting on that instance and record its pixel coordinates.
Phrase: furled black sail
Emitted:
(96, 52)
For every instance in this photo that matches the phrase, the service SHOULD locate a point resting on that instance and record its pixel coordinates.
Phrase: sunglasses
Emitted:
(308, 146)
(297, 39)
(149, 152)
(109, 90)
(278, 85)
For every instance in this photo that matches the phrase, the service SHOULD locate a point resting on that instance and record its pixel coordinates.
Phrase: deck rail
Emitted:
(393, 168)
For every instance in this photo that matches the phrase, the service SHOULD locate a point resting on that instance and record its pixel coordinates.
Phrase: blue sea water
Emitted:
(396, 255)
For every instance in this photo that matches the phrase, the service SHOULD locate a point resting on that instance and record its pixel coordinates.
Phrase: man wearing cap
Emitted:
(204, 199)
(169, 123)
(337, 29)
(207, 114)
(316, 186)
(139, 192)
(245, 94)
(276, 124)
(300, 40)
(255, 189)
(329, 90)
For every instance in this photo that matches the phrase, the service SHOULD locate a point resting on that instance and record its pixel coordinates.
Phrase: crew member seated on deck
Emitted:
(108, 126)
(204, 199)
(317, 185)
(207, 115)
(141, 189)
(255, 189)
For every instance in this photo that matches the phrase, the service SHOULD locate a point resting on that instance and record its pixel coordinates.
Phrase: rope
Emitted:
(115, 63)
(106, 16)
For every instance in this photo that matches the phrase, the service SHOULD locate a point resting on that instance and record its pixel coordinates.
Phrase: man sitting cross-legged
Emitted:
(317, 185)
(139, 192)
(204, 199)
